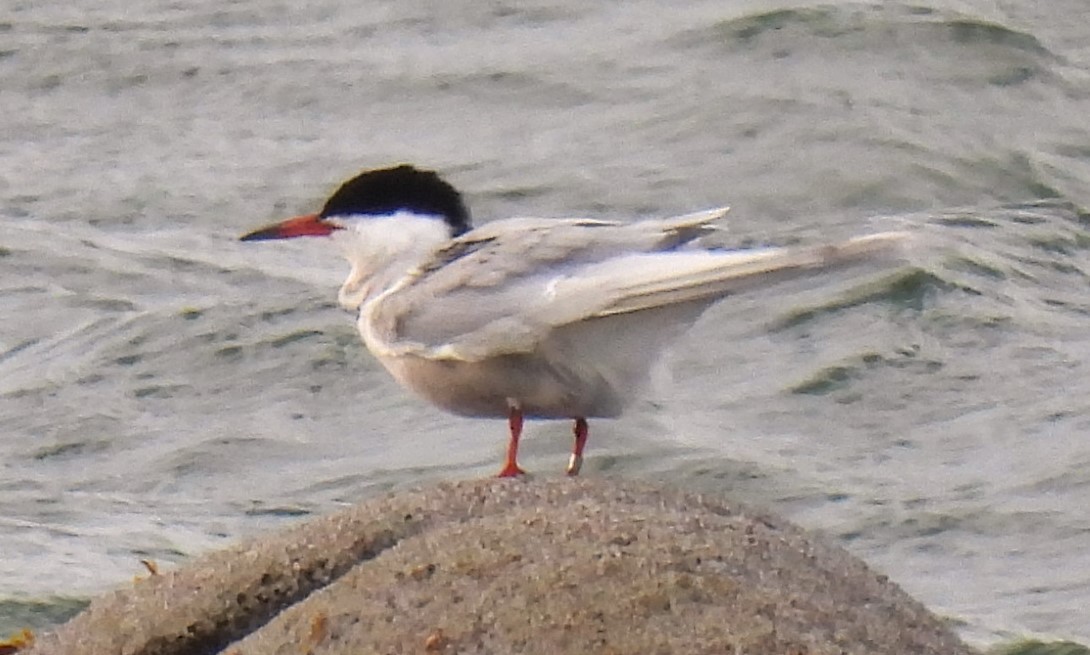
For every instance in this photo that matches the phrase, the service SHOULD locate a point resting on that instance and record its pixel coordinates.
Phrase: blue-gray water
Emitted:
(166, 390)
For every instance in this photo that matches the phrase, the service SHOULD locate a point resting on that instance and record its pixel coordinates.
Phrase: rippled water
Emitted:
(165, 390)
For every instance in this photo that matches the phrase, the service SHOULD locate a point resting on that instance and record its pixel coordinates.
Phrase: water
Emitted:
(166, 390)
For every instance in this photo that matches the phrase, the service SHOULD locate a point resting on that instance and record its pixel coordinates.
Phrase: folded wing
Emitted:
(505, 287)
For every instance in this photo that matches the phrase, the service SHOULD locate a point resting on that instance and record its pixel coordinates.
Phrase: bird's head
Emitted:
(385, 221)
(376, 194)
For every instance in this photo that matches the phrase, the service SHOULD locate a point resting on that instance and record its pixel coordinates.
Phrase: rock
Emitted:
(518, 566)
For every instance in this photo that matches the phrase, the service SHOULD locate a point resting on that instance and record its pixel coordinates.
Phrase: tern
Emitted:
(540, 318)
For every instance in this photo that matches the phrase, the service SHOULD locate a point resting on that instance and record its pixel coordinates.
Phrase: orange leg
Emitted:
(510, 463)
(581, 432)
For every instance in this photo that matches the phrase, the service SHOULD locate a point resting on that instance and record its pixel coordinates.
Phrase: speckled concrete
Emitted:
(518, 566)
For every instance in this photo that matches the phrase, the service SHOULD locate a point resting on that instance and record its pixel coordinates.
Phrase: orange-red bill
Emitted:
(308, 225)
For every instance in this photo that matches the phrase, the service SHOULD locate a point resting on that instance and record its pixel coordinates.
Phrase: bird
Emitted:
(533, 318)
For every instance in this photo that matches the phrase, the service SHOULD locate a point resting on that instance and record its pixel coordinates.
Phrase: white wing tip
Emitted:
(704, 215)
(883, 239)
(871, 245)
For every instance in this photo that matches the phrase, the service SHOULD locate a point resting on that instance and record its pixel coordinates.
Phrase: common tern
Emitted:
(533, 317)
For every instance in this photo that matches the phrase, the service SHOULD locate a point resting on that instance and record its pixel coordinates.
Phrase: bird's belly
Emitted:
(493, 386)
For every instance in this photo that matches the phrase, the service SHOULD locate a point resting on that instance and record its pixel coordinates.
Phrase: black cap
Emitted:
(388, 190)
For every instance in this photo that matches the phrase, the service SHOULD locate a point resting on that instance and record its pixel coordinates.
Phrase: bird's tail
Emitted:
(709, 275)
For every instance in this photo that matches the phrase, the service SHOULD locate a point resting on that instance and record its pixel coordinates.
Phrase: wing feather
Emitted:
(645, 281)
(508, 285)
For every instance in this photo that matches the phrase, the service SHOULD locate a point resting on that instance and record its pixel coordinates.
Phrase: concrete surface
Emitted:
(517, 566)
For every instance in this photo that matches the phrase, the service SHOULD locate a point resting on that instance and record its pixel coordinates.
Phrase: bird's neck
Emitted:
(381, 249)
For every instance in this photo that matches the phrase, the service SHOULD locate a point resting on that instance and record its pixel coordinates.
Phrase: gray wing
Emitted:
(504, 290)
(495, 285)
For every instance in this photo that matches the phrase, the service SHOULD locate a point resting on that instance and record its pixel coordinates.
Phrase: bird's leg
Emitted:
(510, 463)
(576, 461)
